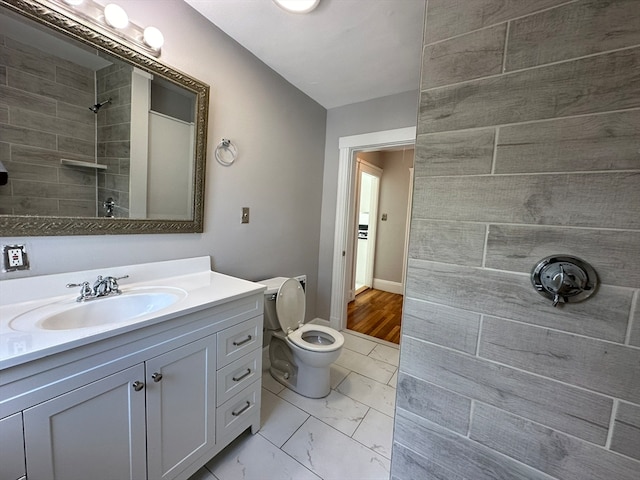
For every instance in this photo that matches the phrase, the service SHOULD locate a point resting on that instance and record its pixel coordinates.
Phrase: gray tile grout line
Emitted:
(296, 430)
(309, 415)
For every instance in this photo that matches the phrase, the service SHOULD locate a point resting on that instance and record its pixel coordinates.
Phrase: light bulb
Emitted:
(153, 37)
(116, 16)
(297, 6)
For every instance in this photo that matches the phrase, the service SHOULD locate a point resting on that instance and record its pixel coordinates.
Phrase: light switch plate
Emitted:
(14, 257)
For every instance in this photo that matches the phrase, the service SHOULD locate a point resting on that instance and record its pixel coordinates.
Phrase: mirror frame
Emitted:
(32, 225)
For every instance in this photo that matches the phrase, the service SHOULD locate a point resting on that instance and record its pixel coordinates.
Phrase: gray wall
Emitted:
(279, 133)
(394, 200)
(386, 113)
(522, 154)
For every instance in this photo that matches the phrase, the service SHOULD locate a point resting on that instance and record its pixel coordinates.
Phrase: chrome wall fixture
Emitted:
(114, 19)
(564, 279)
(226, 152)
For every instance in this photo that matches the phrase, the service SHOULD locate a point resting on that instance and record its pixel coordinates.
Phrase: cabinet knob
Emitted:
(156, 377)
(137, 385)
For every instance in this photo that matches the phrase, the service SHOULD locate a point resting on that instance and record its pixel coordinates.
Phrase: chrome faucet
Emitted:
(102, 287)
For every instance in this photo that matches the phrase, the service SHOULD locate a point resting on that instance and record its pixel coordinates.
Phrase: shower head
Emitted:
(97, 106)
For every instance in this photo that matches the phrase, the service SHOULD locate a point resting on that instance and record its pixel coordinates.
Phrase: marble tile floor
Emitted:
(346, 435)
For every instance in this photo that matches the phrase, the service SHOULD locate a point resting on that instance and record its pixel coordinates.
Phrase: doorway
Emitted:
(366, 212)
(344, 235)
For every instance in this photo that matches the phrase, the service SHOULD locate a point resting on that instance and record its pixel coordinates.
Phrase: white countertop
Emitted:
(203, 289)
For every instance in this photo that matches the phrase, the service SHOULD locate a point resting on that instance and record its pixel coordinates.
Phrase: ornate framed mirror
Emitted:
(96, 136)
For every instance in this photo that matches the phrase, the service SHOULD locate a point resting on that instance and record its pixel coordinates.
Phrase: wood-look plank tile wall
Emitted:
(113, 136)
(528, 145)
(45, 116)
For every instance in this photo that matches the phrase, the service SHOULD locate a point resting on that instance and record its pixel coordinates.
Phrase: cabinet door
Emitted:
(94, 432)
(181, 405)
(11, 448)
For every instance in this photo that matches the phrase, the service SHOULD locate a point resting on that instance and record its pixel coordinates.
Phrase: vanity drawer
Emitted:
(236, 341)
(237, 375)
(238, 413)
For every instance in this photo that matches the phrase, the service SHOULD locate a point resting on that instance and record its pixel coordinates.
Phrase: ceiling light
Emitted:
(297, 6)
(116, 16)
(74, 2)
(153, 37)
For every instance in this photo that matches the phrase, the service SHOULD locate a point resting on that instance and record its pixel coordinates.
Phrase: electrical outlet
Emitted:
(245, 215)
(14, 258)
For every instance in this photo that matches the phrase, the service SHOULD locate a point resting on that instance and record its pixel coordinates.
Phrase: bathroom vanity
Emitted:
(149, 388)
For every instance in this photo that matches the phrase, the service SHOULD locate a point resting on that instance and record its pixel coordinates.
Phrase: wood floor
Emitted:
(376, 313)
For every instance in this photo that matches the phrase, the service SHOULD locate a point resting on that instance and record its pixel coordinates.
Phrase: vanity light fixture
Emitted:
(114, 19)
(153, 37)
(115, 16)
(297, 6)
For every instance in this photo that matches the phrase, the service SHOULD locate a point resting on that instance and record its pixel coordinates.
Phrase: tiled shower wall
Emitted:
(528, 145)
(114, 125)
(45, 116)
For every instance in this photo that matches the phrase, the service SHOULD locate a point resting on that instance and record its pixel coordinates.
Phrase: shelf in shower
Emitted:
(80, 163)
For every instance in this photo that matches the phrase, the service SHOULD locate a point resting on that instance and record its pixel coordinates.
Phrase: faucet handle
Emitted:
(113, 283)
(85, 290)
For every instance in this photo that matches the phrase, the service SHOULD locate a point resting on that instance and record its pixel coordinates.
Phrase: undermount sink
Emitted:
(99, 312)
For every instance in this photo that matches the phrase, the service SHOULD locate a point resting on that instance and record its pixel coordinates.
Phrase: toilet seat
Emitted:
(297, 338)
(290, 308)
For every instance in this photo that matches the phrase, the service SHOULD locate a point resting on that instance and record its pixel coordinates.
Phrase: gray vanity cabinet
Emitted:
(98, 431)
(180, 407)
(143, 405)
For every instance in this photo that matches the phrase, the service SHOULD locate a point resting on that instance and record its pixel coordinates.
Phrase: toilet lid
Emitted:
(290, 305)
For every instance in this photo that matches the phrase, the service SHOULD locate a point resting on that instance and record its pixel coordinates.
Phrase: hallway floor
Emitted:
(376, 313)
(304, 438)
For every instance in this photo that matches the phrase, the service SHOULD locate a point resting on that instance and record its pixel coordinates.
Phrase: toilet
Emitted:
(300, 354)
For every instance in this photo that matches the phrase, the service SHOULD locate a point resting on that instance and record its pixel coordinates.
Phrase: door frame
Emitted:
(343, 234)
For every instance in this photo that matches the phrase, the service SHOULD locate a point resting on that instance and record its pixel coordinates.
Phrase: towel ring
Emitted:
(226, 152)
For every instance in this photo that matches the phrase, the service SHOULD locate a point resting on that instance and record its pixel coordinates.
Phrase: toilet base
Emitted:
(306, 380)
(320, 387)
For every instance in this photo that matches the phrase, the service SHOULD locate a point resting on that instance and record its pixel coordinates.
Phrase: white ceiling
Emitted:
(345, 51)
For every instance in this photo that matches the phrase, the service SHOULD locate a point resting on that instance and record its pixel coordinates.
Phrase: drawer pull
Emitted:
(242, 342)
(244, 375)
(242, 410)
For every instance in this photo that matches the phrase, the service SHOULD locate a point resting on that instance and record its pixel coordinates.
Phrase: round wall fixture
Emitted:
(226, 152)
(153, 37)
(564, 279)
(297, 6)
(115, 16)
